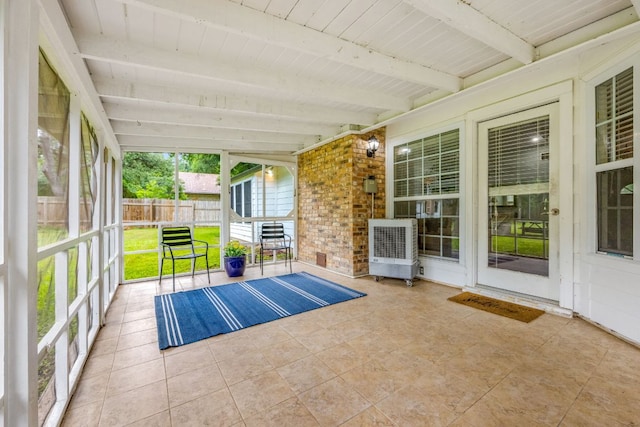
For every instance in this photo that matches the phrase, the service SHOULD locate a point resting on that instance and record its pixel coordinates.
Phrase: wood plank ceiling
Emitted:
(277, 76)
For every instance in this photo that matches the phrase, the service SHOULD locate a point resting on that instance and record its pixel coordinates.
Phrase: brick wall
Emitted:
(333, 209)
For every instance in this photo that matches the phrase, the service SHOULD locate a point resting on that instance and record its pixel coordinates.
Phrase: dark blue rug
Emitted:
(186, 317)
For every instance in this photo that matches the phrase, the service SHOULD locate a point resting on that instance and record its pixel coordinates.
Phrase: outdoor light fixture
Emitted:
(372, 146)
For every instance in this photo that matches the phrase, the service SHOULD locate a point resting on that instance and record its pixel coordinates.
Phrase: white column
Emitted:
(20, 97)
(225, 201)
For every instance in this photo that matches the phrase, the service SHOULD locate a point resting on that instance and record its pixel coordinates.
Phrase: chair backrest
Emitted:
(177, 236)
(272, 231)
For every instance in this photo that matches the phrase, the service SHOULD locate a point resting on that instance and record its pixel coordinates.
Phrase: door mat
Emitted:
(502, 308)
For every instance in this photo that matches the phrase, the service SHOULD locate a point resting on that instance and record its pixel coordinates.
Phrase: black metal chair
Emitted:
(177, 243)
(273, 239)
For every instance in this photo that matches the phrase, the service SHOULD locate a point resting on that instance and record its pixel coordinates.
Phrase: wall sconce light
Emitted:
(372, 146)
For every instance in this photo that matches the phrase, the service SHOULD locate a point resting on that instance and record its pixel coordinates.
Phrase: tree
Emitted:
(201, 163)
(148, 175)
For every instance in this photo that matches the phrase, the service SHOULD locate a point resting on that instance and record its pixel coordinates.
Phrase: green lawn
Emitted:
(140, 266)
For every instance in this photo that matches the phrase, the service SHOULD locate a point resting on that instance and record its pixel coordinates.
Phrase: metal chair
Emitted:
(177, 243)
(273, 238)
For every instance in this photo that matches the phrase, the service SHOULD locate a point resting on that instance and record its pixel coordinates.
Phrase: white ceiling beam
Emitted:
(201, 132)
(101, 48)
(461, 16)
(144, 143)
(234, 18)
(226, 102)
(137, 113)
(636, 5)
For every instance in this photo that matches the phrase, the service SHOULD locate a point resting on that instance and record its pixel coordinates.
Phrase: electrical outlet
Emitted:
(421, 270)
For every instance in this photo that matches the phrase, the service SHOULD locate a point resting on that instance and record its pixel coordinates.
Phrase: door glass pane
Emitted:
(518, 204)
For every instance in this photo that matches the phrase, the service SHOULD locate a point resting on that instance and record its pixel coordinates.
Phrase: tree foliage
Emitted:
(148, 175)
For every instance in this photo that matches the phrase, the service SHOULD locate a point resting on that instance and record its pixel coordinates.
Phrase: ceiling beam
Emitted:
(201, 132)
(101, 48)
(636, 5)
(247, 22)
(227, 102)
(461, 16)
(138, 113)
(146, 143)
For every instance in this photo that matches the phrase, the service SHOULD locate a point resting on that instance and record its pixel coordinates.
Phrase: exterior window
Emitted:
(241, 198)
(427, 187)
(614, 163)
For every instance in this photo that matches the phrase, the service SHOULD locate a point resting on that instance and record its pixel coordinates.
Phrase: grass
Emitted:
(140, 266)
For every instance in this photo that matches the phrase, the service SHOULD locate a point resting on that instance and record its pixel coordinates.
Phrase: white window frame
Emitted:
(426, 133)
(591, 188)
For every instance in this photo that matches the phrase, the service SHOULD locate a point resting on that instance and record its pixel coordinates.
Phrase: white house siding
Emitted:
(601, 288)
(278, 202)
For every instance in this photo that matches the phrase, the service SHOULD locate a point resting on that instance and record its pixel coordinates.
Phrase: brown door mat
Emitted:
(502, 308)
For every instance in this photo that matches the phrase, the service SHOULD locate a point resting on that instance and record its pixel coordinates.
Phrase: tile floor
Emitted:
(398, 357)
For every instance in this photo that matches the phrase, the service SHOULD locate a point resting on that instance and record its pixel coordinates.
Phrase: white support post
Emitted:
(225, 201)
(20, 98)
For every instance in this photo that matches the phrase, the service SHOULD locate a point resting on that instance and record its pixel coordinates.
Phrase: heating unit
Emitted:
(393, 249)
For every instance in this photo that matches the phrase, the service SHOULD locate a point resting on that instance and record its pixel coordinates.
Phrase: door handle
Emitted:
(554, 212)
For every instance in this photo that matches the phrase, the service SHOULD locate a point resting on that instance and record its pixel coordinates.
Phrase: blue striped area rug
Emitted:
(186, 317)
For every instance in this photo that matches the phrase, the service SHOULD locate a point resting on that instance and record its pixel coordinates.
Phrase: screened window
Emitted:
(614, 163)
(241, 198)
(426, 187)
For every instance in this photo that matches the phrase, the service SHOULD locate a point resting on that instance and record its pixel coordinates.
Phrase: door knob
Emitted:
(555, 211)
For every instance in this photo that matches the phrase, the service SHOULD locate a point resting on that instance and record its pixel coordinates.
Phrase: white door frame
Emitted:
(562, 93)
(542, 286)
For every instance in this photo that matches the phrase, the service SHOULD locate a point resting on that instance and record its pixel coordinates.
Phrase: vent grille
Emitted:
(389, 242)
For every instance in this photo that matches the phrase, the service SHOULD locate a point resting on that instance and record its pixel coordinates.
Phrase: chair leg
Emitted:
(261, 261)
(161, 264)
(173, 270)
(206, 259)
(289, 255)
(193, 267)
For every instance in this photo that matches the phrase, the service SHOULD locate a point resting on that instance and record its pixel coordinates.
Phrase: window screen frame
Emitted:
(426, 197)
(597, 167)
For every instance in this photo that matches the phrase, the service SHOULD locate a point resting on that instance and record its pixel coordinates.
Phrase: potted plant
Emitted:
(235, 257)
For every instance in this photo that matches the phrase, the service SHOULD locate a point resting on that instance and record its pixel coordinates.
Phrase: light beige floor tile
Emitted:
(290, 413)
(193, 358)
(136, 376)
(370, 417)
(422, 360)
(136, 355)
(135, 405)
(373, 380)
(85, 416)
(193, 384)
(135, 339)
(130, 316)
(260, 392)
(105, 346)
(409, 407)
(163, 419)
(98, 364)
(285, 352)
(306, 373)
(231, 345)
(90, 390)
(217, 408)
(244, 366)
(334, 402)
(343, 358)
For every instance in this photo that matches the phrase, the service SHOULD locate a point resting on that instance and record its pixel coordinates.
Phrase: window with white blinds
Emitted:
(614, 118)
(426, 187)
(519, 153)
(614, 135)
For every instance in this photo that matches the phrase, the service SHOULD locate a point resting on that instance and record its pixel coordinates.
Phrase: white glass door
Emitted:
(518, 200)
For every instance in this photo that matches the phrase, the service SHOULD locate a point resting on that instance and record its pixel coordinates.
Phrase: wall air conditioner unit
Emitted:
(393, 249)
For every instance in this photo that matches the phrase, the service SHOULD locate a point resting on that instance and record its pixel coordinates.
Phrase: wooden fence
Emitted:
(52, 211)
(159, 210)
